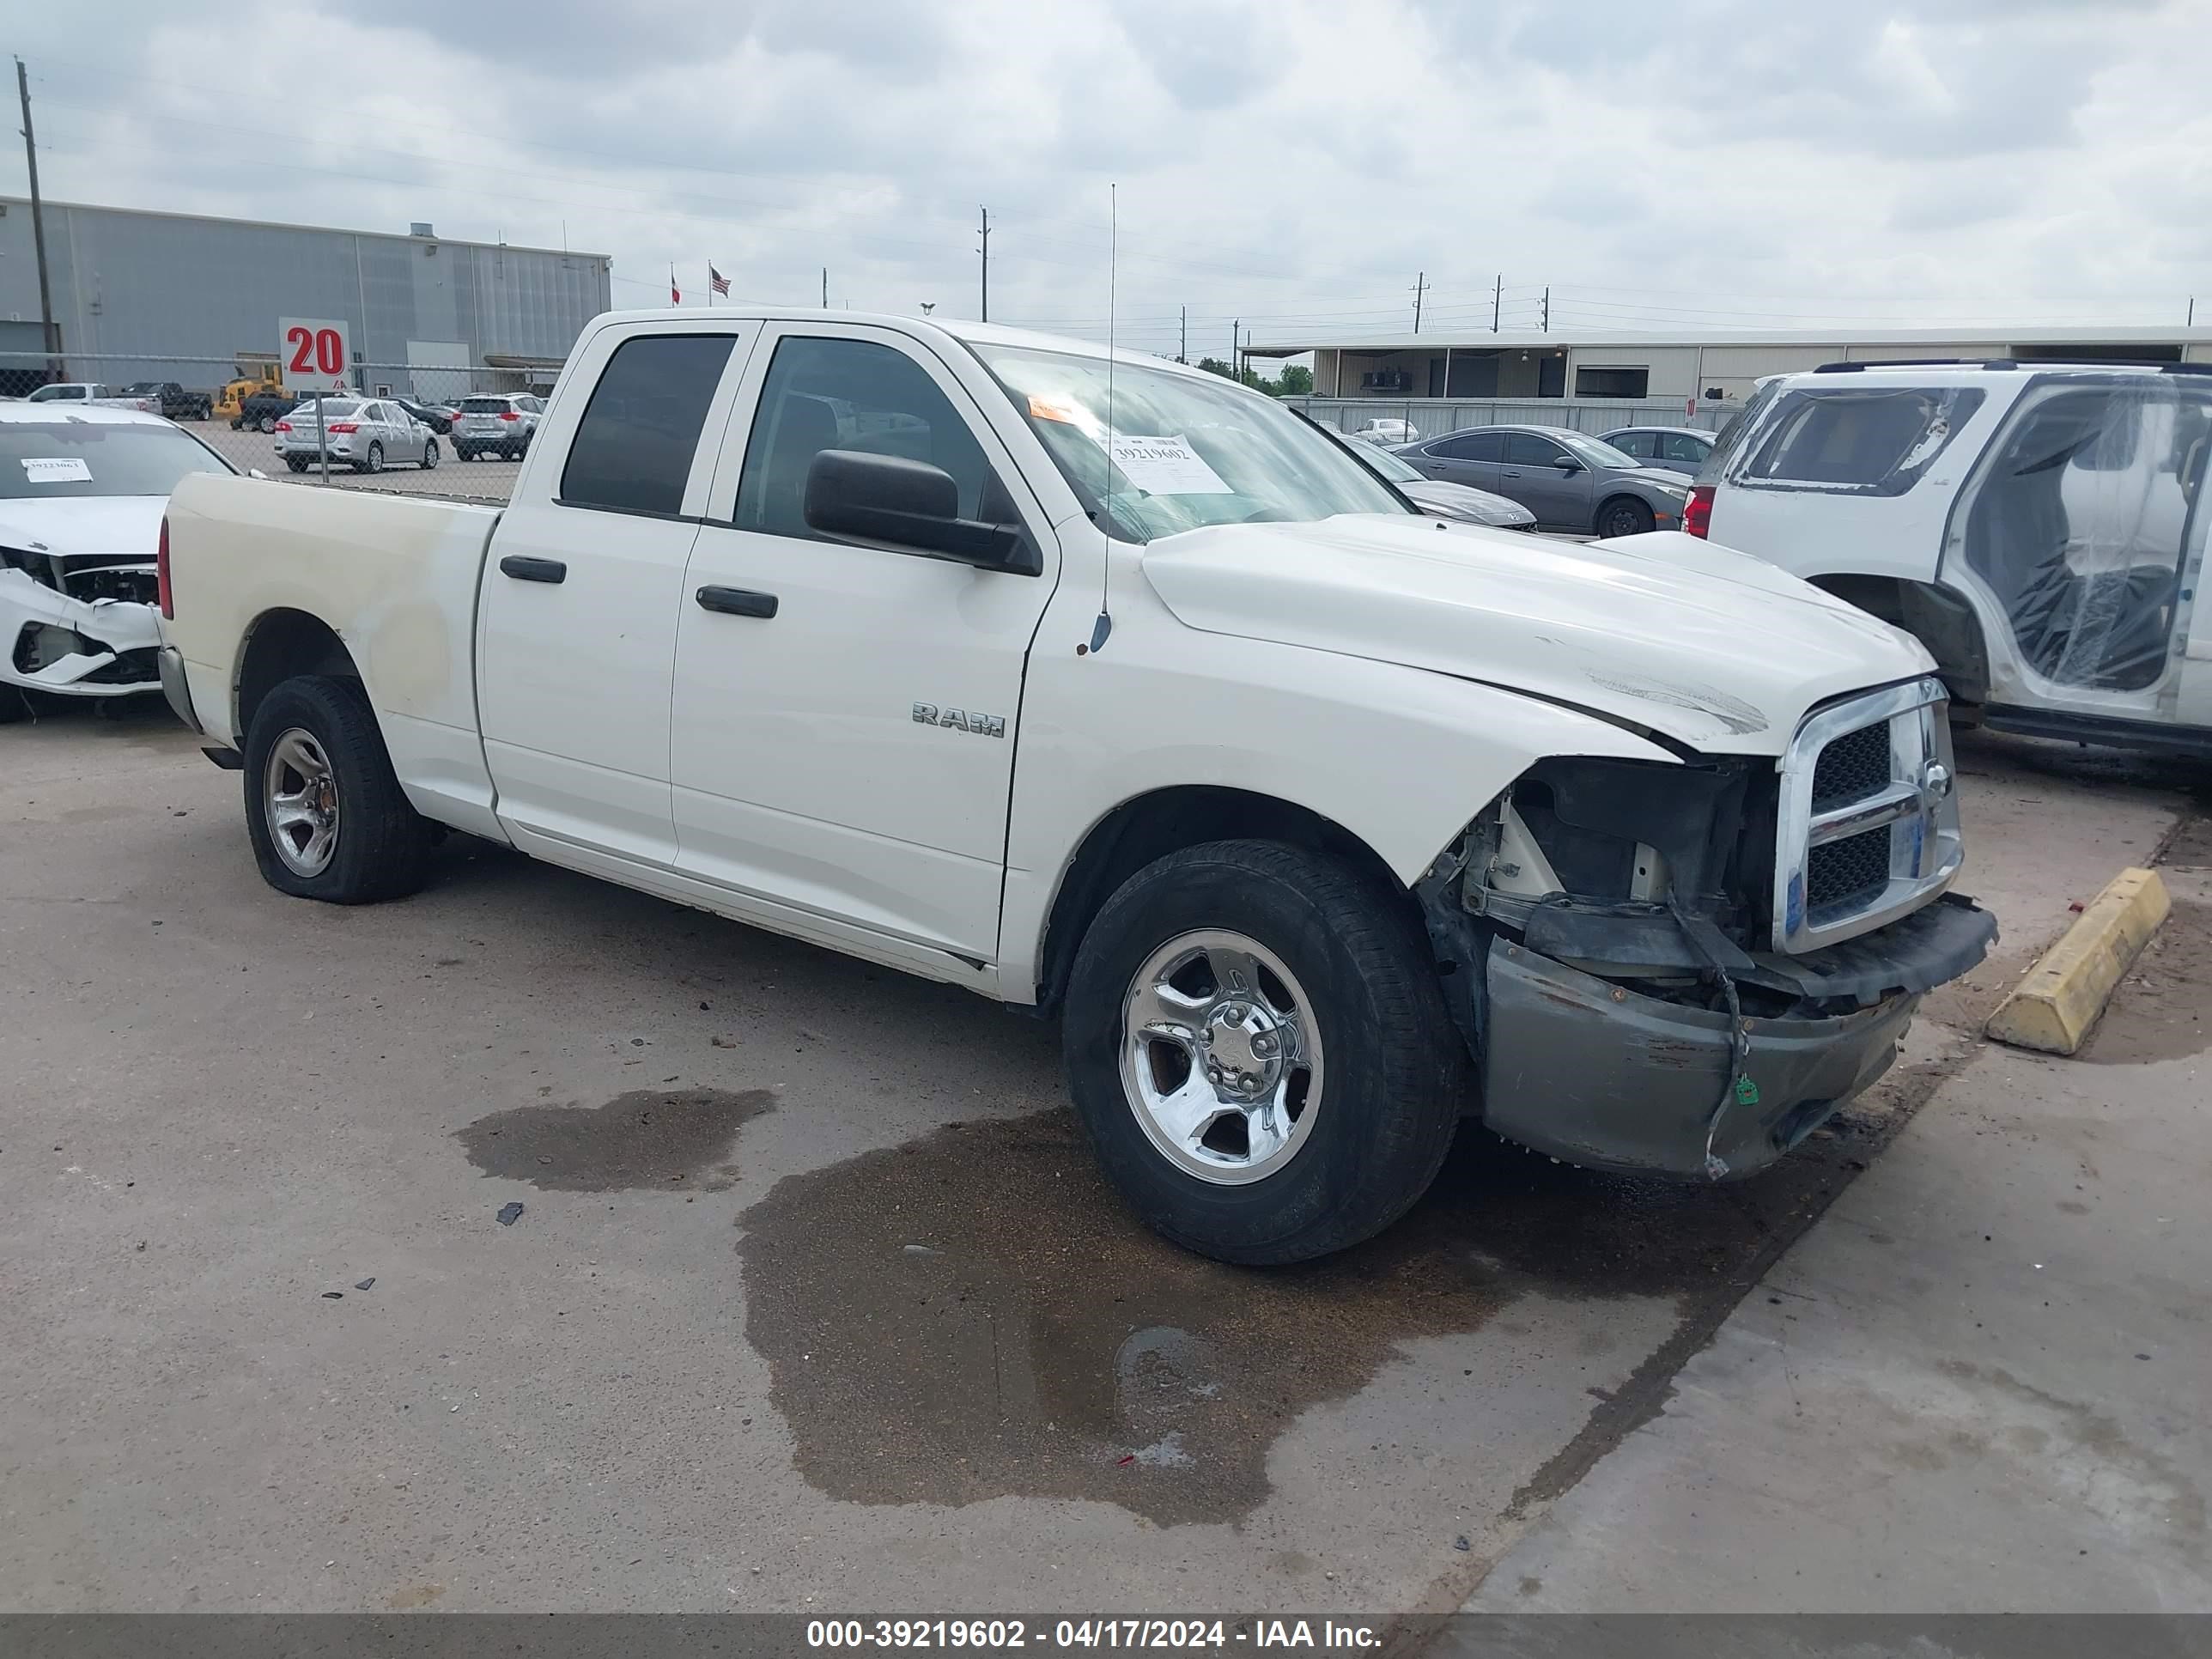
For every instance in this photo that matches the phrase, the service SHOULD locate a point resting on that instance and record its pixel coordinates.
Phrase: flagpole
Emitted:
(710, 281)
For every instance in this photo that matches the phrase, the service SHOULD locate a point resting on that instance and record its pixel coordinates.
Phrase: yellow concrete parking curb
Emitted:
(2053, 1008)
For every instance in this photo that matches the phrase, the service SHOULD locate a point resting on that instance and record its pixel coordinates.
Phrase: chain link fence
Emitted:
(240, 409)
(1431, 417)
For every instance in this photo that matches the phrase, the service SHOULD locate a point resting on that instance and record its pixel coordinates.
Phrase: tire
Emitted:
(429, 454)
(1624, 515)
(379, 846)
(1388, 1071)
(265, 423)
(374, 461)
(14, 705)
(295, 464)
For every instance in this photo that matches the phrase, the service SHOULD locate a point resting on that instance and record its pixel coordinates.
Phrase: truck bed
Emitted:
(395, 576)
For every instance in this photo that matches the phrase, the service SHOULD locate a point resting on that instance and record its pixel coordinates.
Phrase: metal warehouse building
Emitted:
(135, 292)
(1719, 366)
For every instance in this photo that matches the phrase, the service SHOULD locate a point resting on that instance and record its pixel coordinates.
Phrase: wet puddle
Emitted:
(2159, 1011)
(678, 1138)
(973, 1314)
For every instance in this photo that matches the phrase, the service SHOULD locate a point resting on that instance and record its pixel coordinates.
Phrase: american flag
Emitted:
(719, 283)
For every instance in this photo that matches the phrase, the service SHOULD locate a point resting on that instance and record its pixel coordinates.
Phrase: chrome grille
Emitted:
(1868, 820)
(1851, 767)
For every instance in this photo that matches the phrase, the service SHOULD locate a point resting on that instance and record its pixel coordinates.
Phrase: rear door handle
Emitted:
(737, 601)
(533, 570)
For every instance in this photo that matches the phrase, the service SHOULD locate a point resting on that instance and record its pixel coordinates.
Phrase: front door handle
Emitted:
(737, 601)
(533, 570)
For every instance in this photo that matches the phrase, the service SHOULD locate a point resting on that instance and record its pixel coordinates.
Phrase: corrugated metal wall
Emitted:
(166, 286)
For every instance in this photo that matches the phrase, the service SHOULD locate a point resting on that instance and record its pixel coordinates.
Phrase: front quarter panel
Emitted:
(1400, 757)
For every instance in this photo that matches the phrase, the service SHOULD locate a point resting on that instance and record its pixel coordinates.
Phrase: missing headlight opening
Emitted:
(1607, 935)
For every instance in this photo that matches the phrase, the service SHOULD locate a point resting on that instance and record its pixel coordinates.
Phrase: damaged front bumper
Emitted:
(51, 642)
(1605, 1076)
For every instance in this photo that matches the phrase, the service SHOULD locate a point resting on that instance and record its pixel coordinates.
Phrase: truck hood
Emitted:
(1711, 648)
(84, 523)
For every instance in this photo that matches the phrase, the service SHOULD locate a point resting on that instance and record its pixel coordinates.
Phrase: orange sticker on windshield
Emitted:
(1046, 408)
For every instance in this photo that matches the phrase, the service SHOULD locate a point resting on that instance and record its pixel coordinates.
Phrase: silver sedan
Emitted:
(1569, 480)
(366, 435)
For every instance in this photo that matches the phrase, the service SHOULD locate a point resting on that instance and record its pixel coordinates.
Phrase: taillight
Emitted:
(162, 572)
(508, 414)
(345, 426)
(1698, 511)
(283, 425)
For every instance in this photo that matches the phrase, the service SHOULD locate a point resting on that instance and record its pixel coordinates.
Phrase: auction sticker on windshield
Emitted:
(1165, 466)
(57, 469)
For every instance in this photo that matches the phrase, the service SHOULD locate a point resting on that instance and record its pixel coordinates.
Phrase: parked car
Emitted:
(1569, 480)
(89, 393)
(1318, 798)
(261, 411)
(1676, 448)
(172, 400)
(496, 425)
(1386, 432)
(366, 435)
(1447, 501)
(437, 417)
(81, 490)
(2038, 526)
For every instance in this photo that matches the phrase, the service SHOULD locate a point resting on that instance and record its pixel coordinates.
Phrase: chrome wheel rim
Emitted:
(300, 800)
(430, 455)
(1221, 1057)
(376, 458)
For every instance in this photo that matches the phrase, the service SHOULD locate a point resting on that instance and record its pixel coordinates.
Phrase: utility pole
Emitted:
(987, 263)
(1182, 351)
(1497, 300)
(37, 225)
(825, 287)
(1547, 308)
(1420, 283)
(2192, 323)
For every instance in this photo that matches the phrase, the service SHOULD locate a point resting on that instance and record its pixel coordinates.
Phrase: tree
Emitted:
(1297, 381)
(1215, 366)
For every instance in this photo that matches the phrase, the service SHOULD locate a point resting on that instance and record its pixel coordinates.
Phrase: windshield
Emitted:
(1391, 464)
(60, 460)
(1188, 450)
(1596, 451)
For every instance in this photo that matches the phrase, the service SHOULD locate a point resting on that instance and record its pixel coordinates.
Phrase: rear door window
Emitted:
(633, 447)
(1855, 440)
(1680, 447)
(1638, 444)
(1474, 446)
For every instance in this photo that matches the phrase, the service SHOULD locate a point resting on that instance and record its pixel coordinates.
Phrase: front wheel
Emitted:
(1624, 515)
(1258, 1047)
(429, 454)
(326, 816)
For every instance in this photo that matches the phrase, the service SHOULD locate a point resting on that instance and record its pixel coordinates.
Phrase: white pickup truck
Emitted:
(1106, 688)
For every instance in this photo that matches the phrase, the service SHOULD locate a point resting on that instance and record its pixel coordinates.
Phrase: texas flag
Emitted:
(675, 293)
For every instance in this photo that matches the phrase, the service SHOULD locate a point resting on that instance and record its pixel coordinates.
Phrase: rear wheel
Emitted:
(325, 814)
(374, 461)
(265, 423)
(1624, 515)
(295, 464)
(1257, 1044)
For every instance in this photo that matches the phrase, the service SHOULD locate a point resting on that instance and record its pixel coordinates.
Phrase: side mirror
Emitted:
(907, 504)
(256, 472)
(1567, 469)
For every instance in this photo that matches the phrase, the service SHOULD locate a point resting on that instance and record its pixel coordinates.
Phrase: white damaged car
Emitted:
(81, 492)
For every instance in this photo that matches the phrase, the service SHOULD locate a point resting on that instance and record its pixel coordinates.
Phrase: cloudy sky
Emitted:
(1294, 163)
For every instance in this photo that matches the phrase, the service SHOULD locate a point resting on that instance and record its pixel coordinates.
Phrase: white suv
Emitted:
(496, 424)
(2035, 525)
